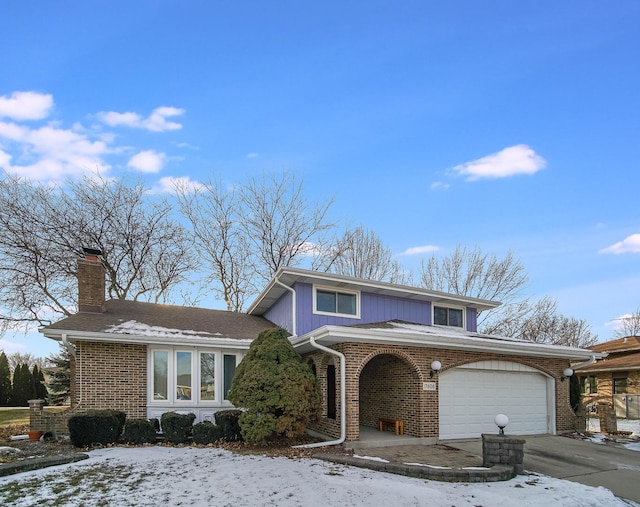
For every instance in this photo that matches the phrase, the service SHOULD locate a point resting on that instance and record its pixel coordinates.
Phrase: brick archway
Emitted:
(390, 387)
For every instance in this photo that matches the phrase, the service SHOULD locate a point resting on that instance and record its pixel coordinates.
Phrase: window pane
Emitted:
(160, 360)
(440, 316)
(326, 301)
(455, 317)
(229, 372)
(347, 303)
(207, 376)
(183, 375)
(620, 385)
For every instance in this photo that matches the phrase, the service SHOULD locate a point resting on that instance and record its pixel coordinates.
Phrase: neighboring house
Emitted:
(615, 379)
(379, 350)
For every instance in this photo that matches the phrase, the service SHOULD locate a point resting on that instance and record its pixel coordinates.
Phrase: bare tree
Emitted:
(43, 229)
(540, 322)
(360, 253)
(476, 274)
(17, 358)
(629, 325)
(280, 223)
(214, 215)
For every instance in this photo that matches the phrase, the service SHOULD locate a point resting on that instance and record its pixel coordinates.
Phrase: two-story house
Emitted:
(379, 350)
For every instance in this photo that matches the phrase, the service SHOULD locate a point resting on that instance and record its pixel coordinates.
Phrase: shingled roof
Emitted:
(155, 323)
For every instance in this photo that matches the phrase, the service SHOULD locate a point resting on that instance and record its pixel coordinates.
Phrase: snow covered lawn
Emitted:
(172, 476)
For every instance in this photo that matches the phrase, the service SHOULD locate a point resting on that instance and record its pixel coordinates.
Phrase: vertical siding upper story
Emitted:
(373, 308)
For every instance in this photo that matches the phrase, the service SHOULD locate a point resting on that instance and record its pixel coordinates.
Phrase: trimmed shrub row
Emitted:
(102, 427)
(96, 427)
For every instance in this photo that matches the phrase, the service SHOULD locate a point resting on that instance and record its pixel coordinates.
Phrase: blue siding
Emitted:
(374, 308)
(280, 313)
(472, 320)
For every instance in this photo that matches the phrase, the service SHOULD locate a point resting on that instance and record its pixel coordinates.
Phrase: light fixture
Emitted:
(566, 373)
(435, 368)
(501, 421)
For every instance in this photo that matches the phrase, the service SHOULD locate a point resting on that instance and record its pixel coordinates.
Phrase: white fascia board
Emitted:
(231, 343)
(337, 334)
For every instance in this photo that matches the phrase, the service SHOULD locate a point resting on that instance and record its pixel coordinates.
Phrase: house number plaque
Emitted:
(428, 386)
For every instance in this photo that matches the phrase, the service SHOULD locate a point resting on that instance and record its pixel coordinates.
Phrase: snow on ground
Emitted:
(593, 426)
(150, 476)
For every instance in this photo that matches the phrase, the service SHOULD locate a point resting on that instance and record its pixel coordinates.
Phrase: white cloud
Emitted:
(168, 184)
(155, 122)
(418, 250)
(511, 161)
(11, 347)
(26, 105)
(629, 244)
(618, 322)
(252, 155)
(439, 185)
(147, 161)
(49, 152)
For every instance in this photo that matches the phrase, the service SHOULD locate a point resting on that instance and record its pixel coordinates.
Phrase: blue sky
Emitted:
(507, 125)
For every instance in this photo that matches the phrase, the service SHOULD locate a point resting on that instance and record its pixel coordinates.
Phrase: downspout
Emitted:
(586, 363)
(343, 397)
(71, 348)
(294, 331)
(67, 345)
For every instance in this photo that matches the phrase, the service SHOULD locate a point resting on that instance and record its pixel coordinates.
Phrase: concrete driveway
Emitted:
(606, 465)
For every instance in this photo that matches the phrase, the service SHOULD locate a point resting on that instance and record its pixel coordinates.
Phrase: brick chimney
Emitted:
(91, 284)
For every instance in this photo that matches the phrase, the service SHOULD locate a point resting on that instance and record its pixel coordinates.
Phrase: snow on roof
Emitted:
(133, 327)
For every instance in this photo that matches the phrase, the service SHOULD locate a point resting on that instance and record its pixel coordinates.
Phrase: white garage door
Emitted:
(471, 396)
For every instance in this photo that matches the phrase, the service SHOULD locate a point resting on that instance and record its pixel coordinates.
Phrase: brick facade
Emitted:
(386, 381)
(104, 376)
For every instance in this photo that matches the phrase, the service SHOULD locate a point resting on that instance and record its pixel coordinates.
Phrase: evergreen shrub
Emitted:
(228, 421)
(139, 431)
(177, 428)
(206, 432)
(97, 427)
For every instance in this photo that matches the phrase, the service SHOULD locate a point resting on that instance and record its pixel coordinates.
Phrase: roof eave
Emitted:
(74, 335)
(338, 334)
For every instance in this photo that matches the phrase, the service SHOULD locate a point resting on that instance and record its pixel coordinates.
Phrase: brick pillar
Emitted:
(36, 416)
(607, 416)
(581, 418)
(503, 450)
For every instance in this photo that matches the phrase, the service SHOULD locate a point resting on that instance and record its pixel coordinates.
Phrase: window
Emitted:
(207, 376)
(160, 374)
(329, 301)
(443, 316)
(589, 385)
(229, 372)
(183, 375)
(186, 376)
(620, 383)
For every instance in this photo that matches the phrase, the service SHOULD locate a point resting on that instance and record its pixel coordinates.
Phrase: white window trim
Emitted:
(449, 307)
(356, 293)
(195, 400)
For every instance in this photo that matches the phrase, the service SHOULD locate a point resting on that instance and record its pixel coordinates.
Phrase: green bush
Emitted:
(95, 427)
(139, 431)
(206, 433)
(177, 428)
(228, 421)
(278, 391)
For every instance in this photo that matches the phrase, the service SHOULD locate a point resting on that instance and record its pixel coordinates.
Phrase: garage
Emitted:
(470, 397)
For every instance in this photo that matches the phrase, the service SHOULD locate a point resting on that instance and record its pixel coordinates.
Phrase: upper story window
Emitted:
(589, 384)
(333, 302)
(444, 316)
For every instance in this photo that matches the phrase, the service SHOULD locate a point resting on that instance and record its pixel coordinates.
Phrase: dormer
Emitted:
(301, 301)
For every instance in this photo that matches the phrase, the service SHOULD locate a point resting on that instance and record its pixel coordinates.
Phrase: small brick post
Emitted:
(503, 450)
(607, 416)
(36, 417)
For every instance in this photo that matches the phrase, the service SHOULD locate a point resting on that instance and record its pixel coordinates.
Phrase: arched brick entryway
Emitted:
(389, 386)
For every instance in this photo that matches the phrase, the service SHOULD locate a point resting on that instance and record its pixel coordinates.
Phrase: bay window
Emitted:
(182, 376)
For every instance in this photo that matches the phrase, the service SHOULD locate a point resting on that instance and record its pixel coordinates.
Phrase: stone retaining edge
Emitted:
(37, 463)
(494, 474)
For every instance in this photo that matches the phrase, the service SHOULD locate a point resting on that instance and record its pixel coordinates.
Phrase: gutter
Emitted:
(343, 398)
(591, 360)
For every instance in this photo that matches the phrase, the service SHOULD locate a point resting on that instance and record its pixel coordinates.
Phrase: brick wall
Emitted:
(382, 379)
(118, 381)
